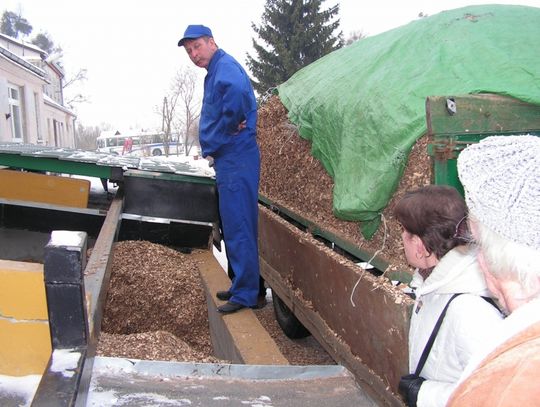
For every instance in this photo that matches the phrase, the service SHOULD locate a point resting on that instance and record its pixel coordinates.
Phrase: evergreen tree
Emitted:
(13, 24)
(297, 33)
(44, 41)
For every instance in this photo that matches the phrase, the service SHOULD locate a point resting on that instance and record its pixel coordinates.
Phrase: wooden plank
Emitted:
(369, 337)
(481, 114)
(50, 189)
(474, 118)
(237, 337)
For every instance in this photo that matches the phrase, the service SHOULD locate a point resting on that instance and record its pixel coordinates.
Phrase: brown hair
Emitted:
(433, 213)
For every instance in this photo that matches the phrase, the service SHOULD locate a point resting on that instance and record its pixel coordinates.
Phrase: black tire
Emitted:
(156, 152)
(290, 325)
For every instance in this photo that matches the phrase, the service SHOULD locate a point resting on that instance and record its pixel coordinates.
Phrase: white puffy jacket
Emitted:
(469, 321)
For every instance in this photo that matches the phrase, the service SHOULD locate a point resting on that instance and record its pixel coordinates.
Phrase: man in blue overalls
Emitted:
(227, 133)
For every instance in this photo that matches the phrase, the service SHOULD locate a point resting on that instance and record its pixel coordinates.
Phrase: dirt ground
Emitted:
(156, 310)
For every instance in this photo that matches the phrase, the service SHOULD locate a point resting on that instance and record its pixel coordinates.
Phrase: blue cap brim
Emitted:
(181, 42)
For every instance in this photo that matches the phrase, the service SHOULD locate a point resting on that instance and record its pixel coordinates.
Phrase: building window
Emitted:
(38, 118)
(56, 128)
(49, 132)
(15, 110)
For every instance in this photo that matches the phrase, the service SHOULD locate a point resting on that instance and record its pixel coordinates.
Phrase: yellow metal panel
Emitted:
(25, 347)
(22, 291)
(51, 189)
(25, 341)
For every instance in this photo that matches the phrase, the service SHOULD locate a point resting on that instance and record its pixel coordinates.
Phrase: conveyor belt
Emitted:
(91, 163)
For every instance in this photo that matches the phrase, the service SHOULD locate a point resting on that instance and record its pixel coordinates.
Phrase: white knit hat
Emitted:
(501, 177)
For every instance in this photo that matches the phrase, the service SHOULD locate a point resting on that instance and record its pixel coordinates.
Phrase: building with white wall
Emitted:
(32, 108)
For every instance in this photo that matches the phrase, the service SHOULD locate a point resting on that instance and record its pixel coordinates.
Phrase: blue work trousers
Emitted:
(237, 179)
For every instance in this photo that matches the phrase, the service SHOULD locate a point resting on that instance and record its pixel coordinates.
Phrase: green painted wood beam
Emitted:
(56, 165)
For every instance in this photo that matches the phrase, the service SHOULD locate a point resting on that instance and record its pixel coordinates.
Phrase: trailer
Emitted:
(360, 319)
(357, 314)
(52, 293)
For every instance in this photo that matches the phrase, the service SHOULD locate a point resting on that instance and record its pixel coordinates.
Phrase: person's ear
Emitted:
(420, 249)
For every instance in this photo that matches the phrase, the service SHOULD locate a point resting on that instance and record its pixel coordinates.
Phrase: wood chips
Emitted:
(292, 178)
(156, 306)
(156, 310)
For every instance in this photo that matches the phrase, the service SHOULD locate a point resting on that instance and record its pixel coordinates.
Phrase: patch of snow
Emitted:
(221, 256)
(119, 366)
(65, 361)
(261, 401)
(67, 238)
(24, 387)
(97, 398)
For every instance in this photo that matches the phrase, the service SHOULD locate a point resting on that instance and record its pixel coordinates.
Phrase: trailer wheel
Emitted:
(290, 325)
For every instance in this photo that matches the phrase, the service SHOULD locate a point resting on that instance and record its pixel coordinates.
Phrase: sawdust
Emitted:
(156, 310)
(292, 178)
(153, 289)
(158, 345)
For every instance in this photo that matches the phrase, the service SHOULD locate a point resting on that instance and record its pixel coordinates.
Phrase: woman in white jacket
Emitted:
(432, 217)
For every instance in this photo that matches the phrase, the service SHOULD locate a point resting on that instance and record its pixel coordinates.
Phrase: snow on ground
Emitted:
(23, 387)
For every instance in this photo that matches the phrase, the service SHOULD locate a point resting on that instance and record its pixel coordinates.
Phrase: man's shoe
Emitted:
(261, 302)
(230, 307)
(224, 295)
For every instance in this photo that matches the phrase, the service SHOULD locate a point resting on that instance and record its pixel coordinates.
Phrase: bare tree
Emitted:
(80, 76)
(86, 136)
(167, 116)
(180, 110)
(354, 36)
(186, 123)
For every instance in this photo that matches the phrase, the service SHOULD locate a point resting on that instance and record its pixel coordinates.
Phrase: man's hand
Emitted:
(210, 160)
(241, 127)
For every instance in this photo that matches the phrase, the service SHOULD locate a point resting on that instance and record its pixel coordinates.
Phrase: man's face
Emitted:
(200, 50)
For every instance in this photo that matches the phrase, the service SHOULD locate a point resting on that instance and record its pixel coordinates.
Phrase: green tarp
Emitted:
(363, 106)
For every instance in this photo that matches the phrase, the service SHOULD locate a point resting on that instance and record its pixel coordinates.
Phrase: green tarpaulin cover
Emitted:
(363, 106)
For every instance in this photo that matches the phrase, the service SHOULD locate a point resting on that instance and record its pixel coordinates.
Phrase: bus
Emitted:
(142, 143)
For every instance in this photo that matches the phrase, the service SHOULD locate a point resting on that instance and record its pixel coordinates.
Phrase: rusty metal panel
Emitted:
(317, 284)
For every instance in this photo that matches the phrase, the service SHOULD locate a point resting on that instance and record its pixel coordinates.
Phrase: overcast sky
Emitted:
(130, 48)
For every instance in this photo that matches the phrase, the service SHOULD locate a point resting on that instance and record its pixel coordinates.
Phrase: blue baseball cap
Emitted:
(195, 31)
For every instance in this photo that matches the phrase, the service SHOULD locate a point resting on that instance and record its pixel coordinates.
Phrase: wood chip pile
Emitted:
(156, 306)
(156, 310)
(293, 178)
(158, 345)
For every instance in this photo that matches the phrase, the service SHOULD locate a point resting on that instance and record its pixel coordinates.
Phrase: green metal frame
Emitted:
(55, 165)
(475, 117)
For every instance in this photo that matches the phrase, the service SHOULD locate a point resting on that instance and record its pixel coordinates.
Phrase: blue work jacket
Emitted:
(228, 101)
